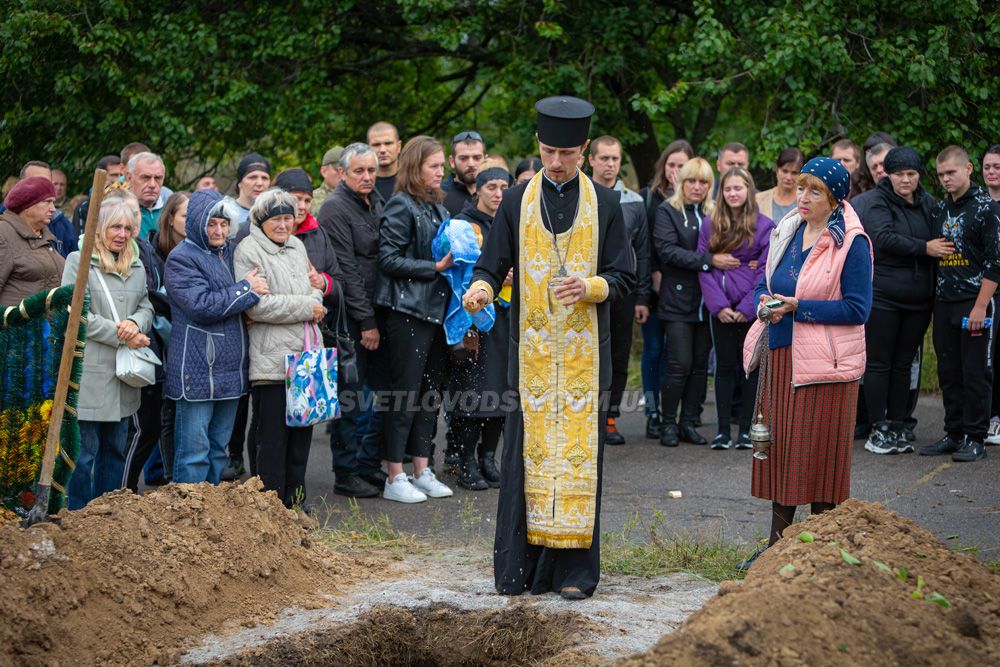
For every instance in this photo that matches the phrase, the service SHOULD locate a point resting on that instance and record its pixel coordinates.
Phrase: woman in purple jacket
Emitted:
(738, 228)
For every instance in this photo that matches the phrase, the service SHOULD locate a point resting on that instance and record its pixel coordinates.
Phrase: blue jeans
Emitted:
(201, 433)
(100, 466)
(654, 362)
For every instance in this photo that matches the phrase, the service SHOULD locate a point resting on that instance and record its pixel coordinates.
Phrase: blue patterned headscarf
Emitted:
(838, 181)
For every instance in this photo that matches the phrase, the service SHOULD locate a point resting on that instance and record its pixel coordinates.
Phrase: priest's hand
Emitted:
(570, 290)
(475, 299)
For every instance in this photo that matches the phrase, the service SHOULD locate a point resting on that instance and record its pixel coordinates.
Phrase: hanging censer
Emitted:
(760, 432)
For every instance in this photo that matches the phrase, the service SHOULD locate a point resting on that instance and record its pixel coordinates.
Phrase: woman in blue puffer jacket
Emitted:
(208, 364)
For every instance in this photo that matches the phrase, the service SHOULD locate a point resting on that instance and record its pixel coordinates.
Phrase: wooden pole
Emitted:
(39, 512)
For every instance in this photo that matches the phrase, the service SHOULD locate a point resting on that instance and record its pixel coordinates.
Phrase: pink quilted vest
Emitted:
(820, 352)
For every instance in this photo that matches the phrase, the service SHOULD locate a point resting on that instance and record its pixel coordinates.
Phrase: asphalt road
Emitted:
(956, 501)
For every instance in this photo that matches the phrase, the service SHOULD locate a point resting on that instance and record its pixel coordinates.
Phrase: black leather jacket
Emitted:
(407, 281)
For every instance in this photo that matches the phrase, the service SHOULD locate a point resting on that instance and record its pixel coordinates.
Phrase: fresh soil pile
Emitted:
(872, 588)
(437, 635)
(133, 579)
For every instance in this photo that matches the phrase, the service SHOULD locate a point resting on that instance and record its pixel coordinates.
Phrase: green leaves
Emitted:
(848, 558)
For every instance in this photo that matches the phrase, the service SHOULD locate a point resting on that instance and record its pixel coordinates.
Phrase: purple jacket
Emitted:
(734, 288)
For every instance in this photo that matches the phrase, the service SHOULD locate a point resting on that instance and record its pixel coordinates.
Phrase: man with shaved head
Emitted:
(384, 140)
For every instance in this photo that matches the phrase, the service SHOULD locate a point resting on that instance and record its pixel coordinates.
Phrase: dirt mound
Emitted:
(437, 635)
(871, 588)
(132, 579)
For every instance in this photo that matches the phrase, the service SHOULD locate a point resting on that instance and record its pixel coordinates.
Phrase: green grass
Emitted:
(355, 530)
(639, 549)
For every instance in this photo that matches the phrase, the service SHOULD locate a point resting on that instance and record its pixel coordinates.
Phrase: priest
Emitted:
(565, 238)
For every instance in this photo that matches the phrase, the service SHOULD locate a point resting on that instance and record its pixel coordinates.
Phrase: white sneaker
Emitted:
(429, 484)
(402, 491)
(993, 435)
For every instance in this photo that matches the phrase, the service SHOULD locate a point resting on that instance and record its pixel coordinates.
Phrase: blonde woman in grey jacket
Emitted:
(278, 328)
(106, 403)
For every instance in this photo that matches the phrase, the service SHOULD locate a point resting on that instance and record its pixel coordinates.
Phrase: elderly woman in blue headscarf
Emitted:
(814, 298)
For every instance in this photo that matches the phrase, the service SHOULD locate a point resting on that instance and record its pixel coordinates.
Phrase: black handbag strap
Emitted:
(340, 320)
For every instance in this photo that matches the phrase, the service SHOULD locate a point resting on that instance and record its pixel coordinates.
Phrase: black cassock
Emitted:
(517, 565)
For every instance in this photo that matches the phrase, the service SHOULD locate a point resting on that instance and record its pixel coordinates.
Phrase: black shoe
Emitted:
(354, 487)
(234, 470)
(572, 593)
(743, 442)
(613, 437)
(942, 447)
(697, 421)
(689, 434)
(375, 478)
(488, 466)
(972, 450)
(750, 560)
(722, 441)
(469, 476)
(668, 435)
(908, 434)
(653, 426)
(452, 459)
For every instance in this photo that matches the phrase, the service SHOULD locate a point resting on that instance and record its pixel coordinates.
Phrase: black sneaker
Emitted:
(353, 486)
(972, 450)
(668, 435)
(488, 466)
(470, 476)
(613, 437)
(942, 447)
(722, 441)
(653, 426)
(903, 446)
(743, 442)
(882, 440)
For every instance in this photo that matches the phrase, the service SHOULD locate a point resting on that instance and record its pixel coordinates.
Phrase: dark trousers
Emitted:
(416, 355)
(168, 417)
(965, 370)
(892, 338)
(282, 451)
(727, 338)
(347, 441)
(144, 429)
(468, 431)
(654, 361)
(622, 315)
(688, 345)
(995, 410)
(239, 437)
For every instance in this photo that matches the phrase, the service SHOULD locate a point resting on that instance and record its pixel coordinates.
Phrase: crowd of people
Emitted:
(222, 288)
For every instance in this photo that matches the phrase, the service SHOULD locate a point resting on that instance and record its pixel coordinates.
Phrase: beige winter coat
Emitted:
(103, 397)
(280, 317)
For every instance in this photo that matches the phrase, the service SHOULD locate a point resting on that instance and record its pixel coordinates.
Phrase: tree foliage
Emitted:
(204, 81)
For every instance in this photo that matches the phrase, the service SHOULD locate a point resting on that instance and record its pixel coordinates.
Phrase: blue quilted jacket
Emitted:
(208, 358)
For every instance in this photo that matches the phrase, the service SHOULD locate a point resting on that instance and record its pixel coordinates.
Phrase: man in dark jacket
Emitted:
(605, 164)
(468, 150)
(966, 283)
(350, 217)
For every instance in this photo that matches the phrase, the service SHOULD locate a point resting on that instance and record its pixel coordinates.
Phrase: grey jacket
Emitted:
(279, 318)
(103, 397)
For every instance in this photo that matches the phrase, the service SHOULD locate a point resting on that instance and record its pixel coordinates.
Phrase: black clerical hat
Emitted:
(563, 122)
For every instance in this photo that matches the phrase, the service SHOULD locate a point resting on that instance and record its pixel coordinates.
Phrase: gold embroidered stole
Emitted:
(559, 376)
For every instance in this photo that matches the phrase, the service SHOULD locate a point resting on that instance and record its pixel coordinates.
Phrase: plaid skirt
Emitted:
(812, 431)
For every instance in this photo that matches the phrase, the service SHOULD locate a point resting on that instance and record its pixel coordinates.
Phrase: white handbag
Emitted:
(136, 368)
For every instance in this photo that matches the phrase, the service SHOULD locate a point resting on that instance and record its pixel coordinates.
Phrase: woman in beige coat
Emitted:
(106, 403)
(278, 328)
